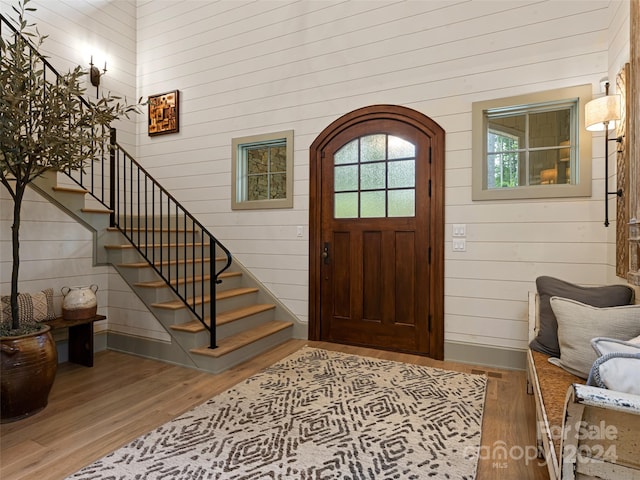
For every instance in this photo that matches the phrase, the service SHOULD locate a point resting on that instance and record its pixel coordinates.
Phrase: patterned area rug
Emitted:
(318, 414)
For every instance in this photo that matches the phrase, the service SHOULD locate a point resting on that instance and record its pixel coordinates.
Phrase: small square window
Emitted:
(532, 146)
(262, 171)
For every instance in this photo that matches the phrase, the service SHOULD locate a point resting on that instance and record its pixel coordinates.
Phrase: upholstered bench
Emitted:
(583, 432)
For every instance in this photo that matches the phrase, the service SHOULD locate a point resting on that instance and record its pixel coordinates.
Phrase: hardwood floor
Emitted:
(93, 411)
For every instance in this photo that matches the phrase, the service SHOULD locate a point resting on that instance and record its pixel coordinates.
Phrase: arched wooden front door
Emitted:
(377, 231)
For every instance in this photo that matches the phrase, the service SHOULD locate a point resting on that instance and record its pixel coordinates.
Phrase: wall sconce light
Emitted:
(94, 74)
(601, 114)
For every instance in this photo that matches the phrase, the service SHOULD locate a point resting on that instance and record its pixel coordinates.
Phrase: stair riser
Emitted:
(150, 237)
(72, 201)
(183, 314)
(165, 233)
(223, 331)
(118, 256)
(178, 271)
(131, 255)
(134, 275)
(204, 287)
(155, 295)
(189, 290)
(158, 254)
(110, 237)
(244, 323)
(190, 340)
(217, 365)
(172, 317)
(236, 302)
(164, 223)
(226, 304)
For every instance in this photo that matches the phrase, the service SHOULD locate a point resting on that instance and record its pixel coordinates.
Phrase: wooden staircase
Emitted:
(249, 319)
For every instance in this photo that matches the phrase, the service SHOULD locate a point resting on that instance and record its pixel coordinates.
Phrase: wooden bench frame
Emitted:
(80, 337)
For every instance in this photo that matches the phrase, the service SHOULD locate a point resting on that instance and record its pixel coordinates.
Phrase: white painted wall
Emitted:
(55, 250)
(245, 68)
(78, 30)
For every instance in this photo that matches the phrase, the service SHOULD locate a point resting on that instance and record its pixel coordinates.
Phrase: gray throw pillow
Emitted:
(546, 340)
(579, 323)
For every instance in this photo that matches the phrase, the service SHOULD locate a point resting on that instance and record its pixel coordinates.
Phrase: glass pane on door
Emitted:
(375, 177)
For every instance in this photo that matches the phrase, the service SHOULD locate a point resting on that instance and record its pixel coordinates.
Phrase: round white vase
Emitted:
(79, 302)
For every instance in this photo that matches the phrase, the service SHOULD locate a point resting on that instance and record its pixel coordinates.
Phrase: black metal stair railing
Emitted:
(176, 245)
(180, 249)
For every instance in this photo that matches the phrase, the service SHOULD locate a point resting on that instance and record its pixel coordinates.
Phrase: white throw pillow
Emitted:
(605, 345)
(618, 367)
(579, 323)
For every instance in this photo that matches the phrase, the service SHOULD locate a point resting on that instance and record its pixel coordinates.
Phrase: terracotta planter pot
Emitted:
(28, 369)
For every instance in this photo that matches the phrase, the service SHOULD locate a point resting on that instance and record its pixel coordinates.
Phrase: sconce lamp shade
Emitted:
(601, 110)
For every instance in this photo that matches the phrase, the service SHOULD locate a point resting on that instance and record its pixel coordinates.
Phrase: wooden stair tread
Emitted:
(155, 245)
(179, 281)
(239, 340)
(224, 317)
(229, 275)
(164, 230)
(164, 263)
(234, 292)
(177, 304)
(79, 191)
(105, 211)
(182, 281)
(193, 326)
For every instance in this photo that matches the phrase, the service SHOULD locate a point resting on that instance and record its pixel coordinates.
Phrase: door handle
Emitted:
(325, 253)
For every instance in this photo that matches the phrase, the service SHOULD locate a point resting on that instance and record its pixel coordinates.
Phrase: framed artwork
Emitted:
(163, 113)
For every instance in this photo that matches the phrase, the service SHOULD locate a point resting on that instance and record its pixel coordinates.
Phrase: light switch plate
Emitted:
(459, 230)
(459, 245)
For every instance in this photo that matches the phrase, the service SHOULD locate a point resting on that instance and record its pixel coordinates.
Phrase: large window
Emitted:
(262, 171)
(532, 146)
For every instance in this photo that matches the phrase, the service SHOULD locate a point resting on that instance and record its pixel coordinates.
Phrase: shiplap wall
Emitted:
(245, 68)
(78, 30)
(55, 250)
(252, 67)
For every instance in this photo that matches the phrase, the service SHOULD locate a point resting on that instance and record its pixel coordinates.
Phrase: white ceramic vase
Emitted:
(79, 302)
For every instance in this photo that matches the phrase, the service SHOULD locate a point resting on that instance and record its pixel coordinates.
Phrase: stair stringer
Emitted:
(181, 343)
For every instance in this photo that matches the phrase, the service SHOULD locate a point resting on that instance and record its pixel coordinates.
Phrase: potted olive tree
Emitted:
(43, 126)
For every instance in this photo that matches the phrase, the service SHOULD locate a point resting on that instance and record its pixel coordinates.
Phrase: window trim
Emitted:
(236, 171)
(582, 188)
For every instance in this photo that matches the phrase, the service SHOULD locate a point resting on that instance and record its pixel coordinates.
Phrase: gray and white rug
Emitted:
(317, 414)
